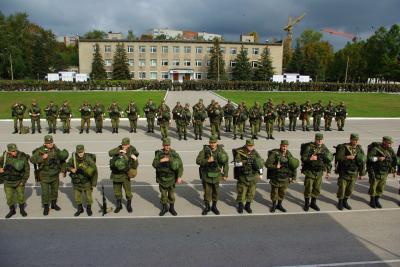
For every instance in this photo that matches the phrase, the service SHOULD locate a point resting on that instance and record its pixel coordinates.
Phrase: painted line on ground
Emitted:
(349, 263)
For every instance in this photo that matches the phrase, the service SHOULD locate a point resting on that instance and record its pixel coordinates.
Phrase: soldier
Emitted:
(215, 114)
(281, 171)
(282, 111)
(114, 111)
(176, 114)
(14, 169)
(248, 169)
(169, 169)
(123, 165)
(51, 116)
(132, 113)
(318, 111)
(341, 115)
(65, 115)
(255, 116)
(86, 113)
(381, 161)
(34, 113)
(214, 165)
(305, 114)
(246, 110)
(228, 109)
(316, 159)
(199, 116)
(17, 112)
(269, 118)
(83, 173)
(329, 113)
(50, 162)
(294, 112)
(163, 117)
(98, 113)
(183, 121)
(150, 113)
(351, 160)
(239, 120)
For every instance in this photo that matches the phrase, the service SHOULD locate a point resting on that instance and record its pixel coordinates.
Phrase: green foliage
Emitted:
(216, 70)
(98, 69)
(264, 71)
(95, 35)
(131, 36)
(120, 64)
(242, 69)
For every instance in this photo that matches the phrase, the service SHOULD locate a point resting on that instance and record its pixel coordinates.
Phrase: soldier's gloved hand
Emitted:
(179, 180)
(1, 170)
(73, 170)
(45, 156)
(133, 157)
(225, 178)
(122, 151)
(314, 157)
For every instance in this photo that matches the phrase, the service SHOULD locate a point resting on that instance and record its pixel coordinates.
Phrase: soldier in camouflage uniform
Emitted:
(329, 113)
(294, 112)
(17, 113)
(215, 113)
(14, 170)
(83, 173)
(199, 116)
(239, 120)
(163, 117)
(318, 111)
(169, 170)
(184, 121)
(65, 115)
(269, 118)
(132, 113)
(282, 111)
(255, 116)
(214, 166)
(86, 112)
(114, 111)
(34, 113)
(51, 116)
(150, 113)
(98, 114)
(228, 109)
(341, 114)
(176, 114)
(305, 114)
(123, 165)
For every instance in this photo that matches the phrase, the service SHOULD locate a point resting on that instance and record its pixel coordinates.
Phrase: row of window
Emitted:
(177, 49)
(153, 75)
(175, 63)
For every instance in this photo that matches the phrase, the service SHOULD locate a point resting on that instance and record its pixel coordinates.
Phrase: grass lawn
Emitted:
(76, 99)
(358, 104)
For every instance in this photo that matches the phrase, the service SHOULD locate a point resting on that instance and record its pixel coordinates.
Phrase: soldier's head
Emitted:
(65, 103)
(34, 103)
(320, 101)
(283, 101)
(213, 142)
(187, 105)
(270, 100)
(85, 102)
(354, 139)
(229, 101)
(257, 104)
(342, 103)
(132, 101)
(308, 102)
(201, 101)
(80, 150)
(48, 141)
(51, 103)
(387, 141)
(330, 102)
(250, 144)
(319, 139)
(12, 150)
(178, 103)
(166, 143)
(294, 103)
(97, 103)
(284, 146)
(212, 101)
(150, 101)
(125, 143)
(114, 103)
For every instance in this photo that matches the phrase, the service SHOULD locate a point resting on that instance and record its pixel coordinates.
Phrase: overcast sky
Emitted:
(229, 18)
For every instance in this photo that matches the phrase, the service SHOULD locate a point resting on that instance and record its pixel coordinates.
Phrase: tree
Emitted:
(216, 70)
(40, 66)
(120, 64)
(255, 35)
(296, 62)
(130, 36)
(264, 70)
(242, 69)
(98, 70)
(95, 35)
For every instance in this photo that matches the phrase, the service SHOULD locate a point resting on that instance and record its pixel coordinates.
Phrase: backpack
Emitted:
(337, 148)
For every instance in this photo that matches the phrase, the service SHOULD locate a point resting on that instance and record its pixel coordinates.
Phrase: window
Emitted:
(131, 62)
(199, 50)
(255, 64)
(107, 48)
(108, 62)
(164, 49)
(232, 63)
(256, 51)
(233, 51)
(222, 49)
(142, 62)
(94, 48)
(130, 48)
(153, 62)
(186, 63)
(188, 49)
(142, 49)
(142, 75)
(153, 75)
(164, 75)
(209, 49)
(198, 75)
(208, 63)
(153, 49)
(175, 62)
(132, 74)
(176, 49)
(198, 63)
(164, 62)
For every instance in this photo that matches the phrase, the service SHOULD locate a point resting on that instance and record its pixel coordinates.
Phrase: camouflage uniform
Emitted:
(341, 115)
(65, 115)
(269, 118)
(150, 113)
(51, 116)
(329, 113)
(294, 112)
(305, 114)
(86, 114)
(228, 109)
(163, 117)
(282, 111)
(98, 114)
(199, 116)
(114, 111)
(132, 113)
(239, 120)
(318, 111)
(17, 112)
(34, 114)
(255, 116)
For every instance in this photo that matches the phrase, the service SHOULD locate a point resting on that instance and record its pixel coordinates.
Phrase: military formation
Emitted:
(349, 161)
(234, 116)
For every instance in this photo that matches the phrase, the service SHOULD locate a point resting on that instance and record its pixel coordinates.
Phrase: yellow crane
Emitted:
(287, 44)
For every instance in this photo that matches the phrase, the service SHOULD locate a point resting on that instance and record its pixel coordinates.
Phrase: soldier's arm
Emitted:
(306, 155)
(180, 170)
(341, 154)
(156, 161)
(226, 165)
(134, 151)
(37, 158)
(27, 170)
(270, 162)
(201, 160)
(113, 152)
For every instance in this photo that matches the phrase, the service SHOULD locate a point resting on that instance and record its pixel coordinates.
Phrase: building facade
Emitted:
(173, 60)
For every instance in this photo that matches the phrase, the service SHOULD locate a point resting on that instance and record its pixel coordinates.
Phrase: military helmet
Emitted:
(18, 164)
(293, 163)
(174, 165)
(89, 171)
(63, 154)
(121, 164)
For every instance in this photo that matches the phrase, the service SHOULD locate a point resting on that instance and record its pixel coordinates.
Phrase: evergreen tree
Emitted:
(296, 62)
(216, 70)
(264, 70)
(242, 69)
(120, 64)
(39, 63)
(98, 70)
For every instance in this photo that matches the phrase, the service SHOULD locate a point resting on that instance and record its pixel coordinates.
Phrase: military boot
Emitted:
(79, 210)
(234, 137)
(241, 136)
(180, 137)
(33, 131)
(11, 212)
(22, 210)
(118, 208)
(206, 208)
(184, 137)
(271, 137)
(163, 210)
(15, 131)
(280, 207)
(195, 137)
(248, 208)
(267, 137)
(113, 131)
(273, 207)
(46, 209)
(306, 204)
(131, 130)
(345, 204)
(340, 204)
(377, 204)
(372, 202)
(200, 138)
(172, 209)
(219, 137)
(39, 131)
(240, 208)
(54, 205)
(87, 131)
(89, 210)
(81, 131)
(314, 205)
(214, 208)
(116, 130)
(129, 205)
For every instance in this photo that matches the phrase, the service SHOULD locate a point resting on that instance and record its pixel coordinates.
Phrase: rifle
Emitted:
(104, 206)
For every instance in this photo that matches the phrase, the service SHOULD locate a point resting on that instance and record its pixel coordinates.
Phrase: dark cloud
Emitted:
(229, 18)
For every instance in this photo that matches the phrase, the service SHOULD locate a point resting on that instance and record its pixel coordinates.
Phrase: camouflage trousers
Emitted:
(245, 191)
(99, 123)
(11, 190)
(312, 186)
(238, 128)
(18, 122)
(305, 123)
(35, 122)
(49, 190)
(115, 122)
(278, 189)
(85, 189)
(150, 124)
(269, 127)
(164, 130)
(328, 123)
(126, 184)
(292, 123)
(167, 194)
(340, 122)
(52, 123)
(281, 122)
(211, 192)
(316, 122)
(228, 124)
(376, 186)
(255, 127)
(198, 128)
(85, 121)
(215, 128)
(66, 124)
(133, 124)
(345, 187)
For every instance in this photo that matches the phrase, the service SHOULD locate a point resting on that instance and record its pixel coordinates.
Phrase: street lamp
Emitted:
(11, 65)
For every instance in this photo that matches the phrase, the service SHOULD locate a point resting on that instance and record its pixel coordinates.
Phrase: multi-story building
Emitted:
(174, 60)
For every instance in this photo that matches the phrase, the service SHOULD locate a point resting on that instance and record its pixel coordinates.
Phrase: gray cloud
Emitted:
(227, 17)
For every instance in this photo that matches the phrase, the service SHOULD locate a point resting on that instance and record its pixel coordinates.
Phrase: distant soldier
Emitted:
(341, 114)
(215, 113)
(150, 110)
(199, 116)
(51, 116)
(282, 111)
(123, 165)
(228, 109)
(50, 161)
(214, 166)
(248, 169)
(132, 113)
(163, 117)
(294, 112)
(98, 113)
(255, 116)
(17, 113)
(184, 121)
(269, 118)
(318, 111)
(176, 114)
(282, 166)
(239, 120)
(382, 160)
(305, 114)
(14, 169)
(34, 113)
(86, 113)
(351, 160)
(83, 173)
(114, 112)
(329, 114)
(65, 114)
(169, 170)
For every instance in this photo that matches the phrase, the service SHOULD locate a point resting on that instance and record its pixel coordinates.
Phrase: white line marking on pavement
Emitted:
(345, 263)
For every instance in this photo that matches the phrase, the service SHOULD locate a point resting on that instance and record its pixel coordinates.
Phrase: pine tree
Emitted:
(98, 70)
(216, 70)
(39, 63)
(242, 69)
(120, 64)
(296, 62)
(264, 70)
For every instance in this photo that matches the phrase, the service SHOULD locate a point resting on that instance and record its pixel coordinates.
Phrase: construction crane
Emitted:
(287, 44)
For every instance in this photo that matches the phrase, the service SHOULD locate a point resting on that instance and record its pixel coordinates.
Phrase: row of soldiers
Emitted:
(235, 117)
(350, 163)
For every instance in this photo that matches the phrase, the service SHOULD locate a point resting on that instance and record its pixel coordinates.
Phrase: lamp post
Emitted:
(11, 64)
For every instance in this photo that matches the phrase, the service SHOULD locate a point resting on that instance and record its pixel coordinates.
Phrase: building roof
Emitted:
(278, 43)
